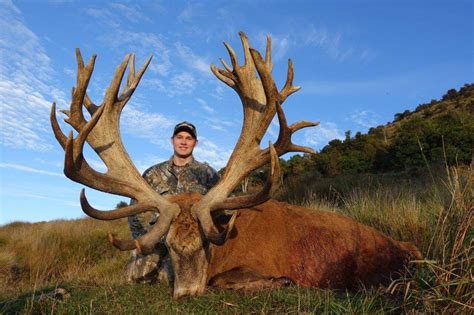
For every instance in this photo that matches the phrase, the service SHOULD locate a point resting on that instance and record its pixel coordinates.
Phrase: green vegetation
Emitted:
(436, 132)
(425, 202)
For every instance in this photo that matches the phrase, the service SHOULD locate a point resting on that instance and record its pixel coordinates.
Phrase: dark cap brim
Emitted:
(184, 128)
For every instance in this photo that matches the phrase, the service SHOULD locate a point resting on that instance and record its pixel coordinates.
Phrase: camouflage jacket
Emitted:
(167, 179)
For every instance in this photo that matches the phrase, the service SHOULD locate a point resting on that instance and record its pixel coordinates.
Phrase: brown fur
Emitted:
(309, 247)
(276, 243)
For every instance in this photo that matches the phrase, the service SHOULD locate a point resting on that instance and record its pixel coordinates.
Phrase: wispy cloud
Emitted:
(154, 127)
(190, 11)
(338, 45)
(145, 44)
(335, 44)
(115, 14)
(208, 151)
(130, 12)
(205, 106)
(26, 84)
(192, 60)
(182, 83)
(25, 168)
(322, 134)
(365, 118)
(212, 119)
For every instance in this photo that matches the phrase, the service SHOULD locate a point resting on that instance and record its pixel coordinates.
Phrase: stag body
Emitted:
(270, 243)
(311, 248)
(275, 243)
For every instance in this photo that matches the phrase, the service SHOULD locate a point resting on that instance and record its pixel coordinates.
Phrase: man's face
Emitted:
(183, 144)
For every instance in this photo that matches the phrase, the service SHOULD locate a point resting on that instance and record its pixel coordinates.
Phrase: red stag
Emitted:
(269, 243)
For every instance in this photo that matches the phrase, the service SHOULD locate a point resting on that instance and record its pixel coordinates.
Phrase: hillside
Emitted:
(438, 132)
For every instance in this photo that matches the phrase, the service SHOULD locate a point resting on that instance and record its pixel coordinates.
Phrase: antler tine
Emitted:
(288, 88)
(131, 70)
(60, 136)
(283, 143)
(271, 92)
(111, 95)
(78, 144)
(75, 116)
(225, 76)
(133, 79)
(232, 55)
(248, 61)
(268, 54)
(226, 66)
(248, 201)
(116, 213)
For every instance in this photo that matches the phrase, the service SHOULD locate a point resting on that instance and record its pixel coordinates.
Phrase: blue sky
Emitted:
(358, 63)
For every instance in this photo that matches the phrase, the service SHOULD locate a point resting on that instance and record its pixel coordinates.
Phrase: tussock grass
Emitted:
(445, 281)
(48, 253)
(436, 213)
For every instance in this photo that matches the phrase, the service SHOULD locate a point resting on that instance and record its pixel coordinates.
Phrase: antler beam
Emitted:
(261, 100)
(102, 133)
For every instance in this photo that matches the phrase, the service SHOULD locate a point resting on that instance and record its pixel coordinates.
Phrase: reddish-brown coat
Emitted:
(309, 247)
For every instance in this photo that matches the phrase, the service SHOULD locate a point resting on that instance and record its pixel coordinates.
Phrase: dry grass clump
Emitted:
(436, 213)
(445, 282)
(47, 253)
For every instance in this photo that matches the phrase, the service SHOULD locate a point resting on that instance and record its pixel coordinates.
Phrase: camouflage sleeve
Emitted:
(212, 177)
(135, 223)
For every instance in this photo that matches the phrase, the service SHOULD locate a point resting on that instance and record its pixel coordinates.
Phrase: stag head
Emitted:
(186, 221)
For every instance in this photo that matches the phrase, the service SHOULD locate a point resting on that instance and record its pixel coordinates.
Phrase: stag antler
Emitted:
(261, 100)
(103, 135)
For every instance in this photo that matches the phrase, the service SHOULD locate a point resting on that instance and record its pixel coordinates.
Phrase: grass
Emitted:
(125, 299)
(435, 213)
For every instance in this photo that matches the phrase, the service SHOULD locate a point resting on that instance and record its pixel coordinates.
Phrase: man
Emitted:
(181, 173)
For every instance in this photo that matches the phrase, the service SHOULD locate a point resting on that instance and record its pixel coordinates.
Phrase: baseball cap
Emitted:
(185, 126)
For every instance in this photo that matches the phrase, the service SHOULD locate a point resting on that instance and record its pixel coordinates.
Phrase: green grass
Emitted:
(435, 213)
(128, 299)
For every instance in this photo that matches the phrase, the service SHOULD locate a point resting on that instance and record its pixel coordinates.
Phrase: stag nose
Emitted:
(184, 292)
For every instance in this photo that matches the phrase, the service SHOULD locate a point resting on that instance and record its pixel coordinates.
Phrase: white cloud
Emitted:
(103, 15)
(130, 12)
(192, 60)
(151, 126)
(24, 168)
(154, 83)
(322, 134)
(26, 90)
(181, 83)
(218, 92)
(207, 151)
(117, 14)
(364, 118)
(333, 43)
(189, 12)
(69, 72)
(142, 43)
(206, 107)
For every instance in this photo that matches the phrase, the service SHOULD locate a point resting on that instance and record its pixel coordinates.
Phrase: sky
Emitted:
(358, 63)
